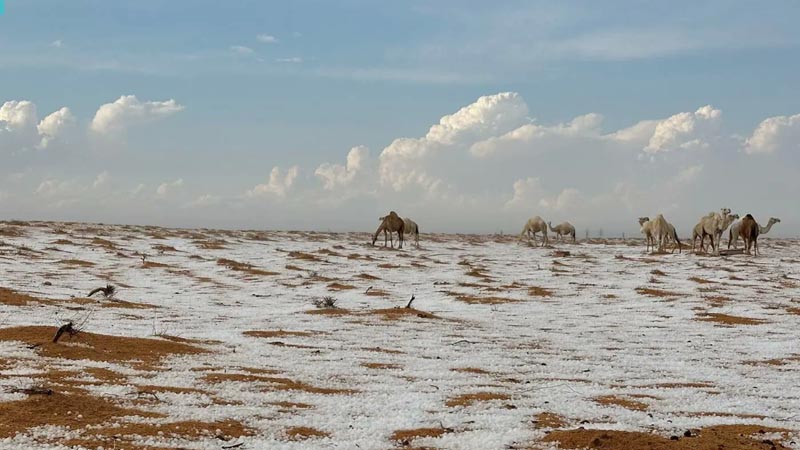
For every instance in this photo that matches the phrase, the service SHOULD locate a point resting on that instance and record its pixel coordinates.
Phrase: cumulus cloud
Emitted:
(166, 188)
(335, 175)
(683, 131)
(403, 162)
(267, 39)
(54, 125)
(773, 134)
(241, 50)
(16, 115)
(203, 201)
(582, 126)
(127, 111)
(279, 184)
(101, 180)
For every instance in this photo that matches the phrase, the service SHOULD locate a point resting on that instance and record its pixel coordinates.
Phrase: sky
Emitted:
(466, 116)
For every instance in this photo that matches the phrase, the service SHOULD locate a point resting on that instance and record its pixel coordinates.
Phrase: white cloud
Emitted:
(290, 60)
(241, 50)
(127, 111)
(333, 175)
(166, 188)
(203, 201)
(53, 187)
(58, 43)
(586, 126)
(684, 130)
(52, 126)
(773, 134)
(267, 39)
(689, 174)
(16, 115)
(278, 183)
(135, 192)
(403, 163)
(101, 179)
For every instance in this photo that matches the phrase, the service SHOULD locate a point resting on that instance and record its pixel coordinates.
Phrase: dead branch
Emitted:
(233, 445)
(66, 328)
(408, 306)
(108, 291)
(31, 391)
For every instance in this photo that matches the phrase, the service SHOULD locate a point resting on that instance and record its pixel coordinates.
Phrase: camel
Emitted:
(748, 230)
(409, 226)
(659, 228)
(532, 226)
(647, 230)
(390, 224)
(672, 235)
(564, 229)
(712, 225)
(733, 234)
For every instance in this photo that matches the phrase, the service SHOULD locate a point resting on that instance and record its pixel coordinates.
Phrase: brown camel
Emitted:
(390, 224)
(748, 230)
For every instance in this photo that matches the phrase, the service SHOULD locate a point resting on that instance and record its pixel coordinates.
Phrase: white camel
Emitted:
(563, 229)
(672, 236)
(532, 226)
(712, 225)
(411, 227)
(660, 229)
(646, 228)
(733, 234)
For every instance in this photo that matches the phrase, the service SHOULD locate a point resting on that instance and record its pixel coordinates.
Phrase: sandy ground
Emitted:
(214, 339)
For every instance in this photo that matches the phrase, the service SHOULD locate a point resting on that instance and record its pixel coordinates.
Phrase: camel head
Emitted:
(774, 220)
(642, 220)
(725, 211)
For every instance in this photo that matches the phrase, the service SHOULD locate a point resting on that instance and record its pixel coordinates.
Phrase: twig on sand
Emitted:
(408, 306)
(66, 328)
(31, 391)
(108, 291)
(233, 445)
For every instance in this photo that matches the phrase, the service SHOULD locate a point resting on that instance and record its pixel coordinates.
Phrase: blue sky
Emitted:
(282, 84)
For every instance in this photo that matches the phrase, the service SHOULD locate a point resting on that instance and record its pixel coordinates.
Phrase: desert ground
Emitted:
(301, 340)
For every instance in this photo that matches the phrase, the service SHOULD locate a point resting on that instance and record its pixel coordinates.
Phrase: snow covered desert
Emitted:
(299, 340)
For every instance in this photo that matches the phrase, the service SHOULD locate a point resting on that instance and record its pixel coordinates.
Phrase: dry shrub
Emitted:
(657, 292)
(401, 313)
(97, 347)
(406, 436)
(699, 280)
(105, 243)
(536, 291)
(475, 397)
(340, 287)
(739, 437)
(278, 333)
(612, 400)
(366, 276)
(154, 265)
(549, 420)
(275, 383)
(76, 263)
(303, 256)
(381, 366)
(303, 433)
(726, 319)
(488, 300)
(377, 293)
(471, 370)
(243, 267)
